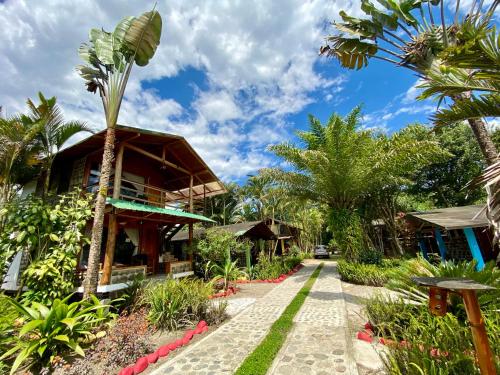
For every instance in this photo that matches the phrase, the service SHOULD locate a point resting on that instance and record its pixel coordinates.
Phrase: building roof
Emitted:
(175, 148)
(453, 217)
(252, 229)
(166, 213)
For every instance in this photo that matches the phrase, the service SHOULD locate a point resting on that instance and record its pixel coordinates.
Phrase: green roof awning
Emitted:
(128, 205)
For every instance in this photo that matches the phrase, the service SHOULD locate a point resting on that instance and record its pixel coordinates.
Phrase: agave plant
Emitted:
(109, 58)
(50, 331)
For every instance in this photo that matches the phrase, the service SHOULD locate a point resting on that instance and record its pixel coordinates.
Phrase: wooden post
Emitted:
(113, 222)
(190, 240)
(483, 350)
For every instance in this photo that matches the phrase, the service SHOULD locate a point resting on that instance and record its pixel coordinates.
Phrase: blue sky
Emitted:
(232, 77)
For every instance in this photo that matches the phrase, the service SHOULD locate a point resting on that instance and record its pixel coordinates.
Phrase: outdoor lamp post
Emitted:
(439, 287)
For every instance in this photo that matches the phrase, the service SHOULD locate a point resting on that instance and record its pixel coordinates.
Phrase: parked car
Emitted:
(321, 251)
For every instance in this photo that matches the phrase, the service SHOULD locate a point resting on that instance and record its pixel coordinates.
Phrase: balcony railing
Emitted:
(146, 194)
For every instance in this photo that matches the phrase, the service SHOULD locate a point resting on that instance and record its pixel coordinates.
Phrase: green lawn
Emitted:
(259, 361)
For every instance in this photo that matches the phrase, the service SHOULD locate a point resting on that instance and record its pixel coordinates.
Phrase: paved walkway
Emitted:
(224, 350)
(319, 342)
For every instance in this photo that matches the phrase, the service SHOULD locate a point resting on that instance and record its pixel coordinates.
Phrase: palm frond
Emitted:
(463, 109)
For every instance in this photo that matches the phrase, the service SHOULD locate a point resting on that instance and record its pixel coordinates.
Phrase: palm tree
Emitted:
(473, 72)
(109, 59)
(54, 133)
(18, 154)
(338, 166)
(408, 34)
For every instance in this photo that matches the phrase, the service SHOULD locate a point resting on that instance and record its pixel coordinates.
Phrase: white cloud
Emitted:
(258, 57)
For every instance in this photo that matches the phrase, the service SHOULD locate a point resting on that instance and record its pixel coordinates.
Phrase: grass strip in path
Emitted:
(259, 361)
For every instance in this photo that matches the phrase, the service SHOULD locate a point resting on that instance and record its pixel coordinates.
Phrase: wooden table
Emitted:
(438, 290)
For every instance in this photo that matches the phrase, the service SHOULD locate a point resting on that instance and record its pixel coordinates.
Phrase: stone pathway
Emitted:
(224, 350)
(319, 342)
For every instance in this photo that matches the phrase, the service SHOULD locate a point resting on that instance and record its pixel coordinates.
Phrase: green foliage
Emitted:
(364, 274)
(400, 280)
(371, 256)
(226, 272)
(175, 303)
(259, 361)
(341, 166)
(438, 345)
(47, 331)
(131, 298)
(442, 182)
(348, 234)
(434, 345)
(18, 155)
(8, 316)
(218, 245)
(272, 269)
(53, 235)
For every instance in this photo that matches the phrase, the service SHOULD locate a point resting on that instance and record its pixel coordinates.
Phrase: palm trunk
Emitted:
(92, 275)
(46, 182)
(484, 140)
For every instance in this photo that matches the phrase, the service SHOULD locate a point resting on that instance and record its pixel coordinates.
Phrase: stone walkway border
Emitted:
(222, 351)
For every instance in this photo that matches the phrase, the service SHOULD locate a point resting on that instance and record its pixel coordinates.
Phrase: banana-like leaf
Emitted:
(121, 28)
(104, 48)
(142, 37)
(351, 53)
(386, 20)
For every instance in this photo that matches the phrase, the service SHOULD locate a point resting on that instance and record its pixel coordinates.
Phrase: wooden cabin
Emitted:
(286, 235)
(455, 233)
(256, 232)
(158, 185)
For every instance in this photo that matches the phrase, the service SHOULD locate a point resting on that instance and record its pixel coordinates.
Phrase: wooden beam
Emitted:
(157, 158)
(113, 223)
(110, 250)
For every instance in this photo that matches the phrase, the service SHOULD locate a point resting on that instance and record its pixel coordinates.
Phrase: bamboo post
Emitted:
(479, 336)
(113, 222)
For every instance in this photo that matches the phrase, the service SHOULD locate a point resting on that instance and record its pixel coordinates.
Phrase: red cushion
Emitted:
(164, 350)
(127, 371)
(172, 346)
(185, 341)
(153, 357)
(201, 324)
(141, 365)
(364, 336)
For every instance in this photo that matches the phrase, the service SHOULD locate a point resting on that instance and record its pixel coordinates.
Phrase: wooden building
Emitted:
(157, 184)
(455, 233)
(255, 231)
(286, 235)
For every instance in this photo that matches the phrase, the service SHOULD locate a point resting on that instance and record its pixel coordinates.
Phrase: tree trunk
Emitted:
(484, 140)
(46, 182)
(92, 275)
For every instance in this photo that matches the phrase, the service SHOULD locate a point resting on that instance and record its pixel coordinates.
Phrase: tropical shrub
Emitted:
(53, 236)
(426, 344)
(49, 331)
(176, 303)
(401, 281)
(8, 316)
(371, 256)
(364, 274)
(226, 273)
(131, 298)
(272, 269)
(216, 247)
